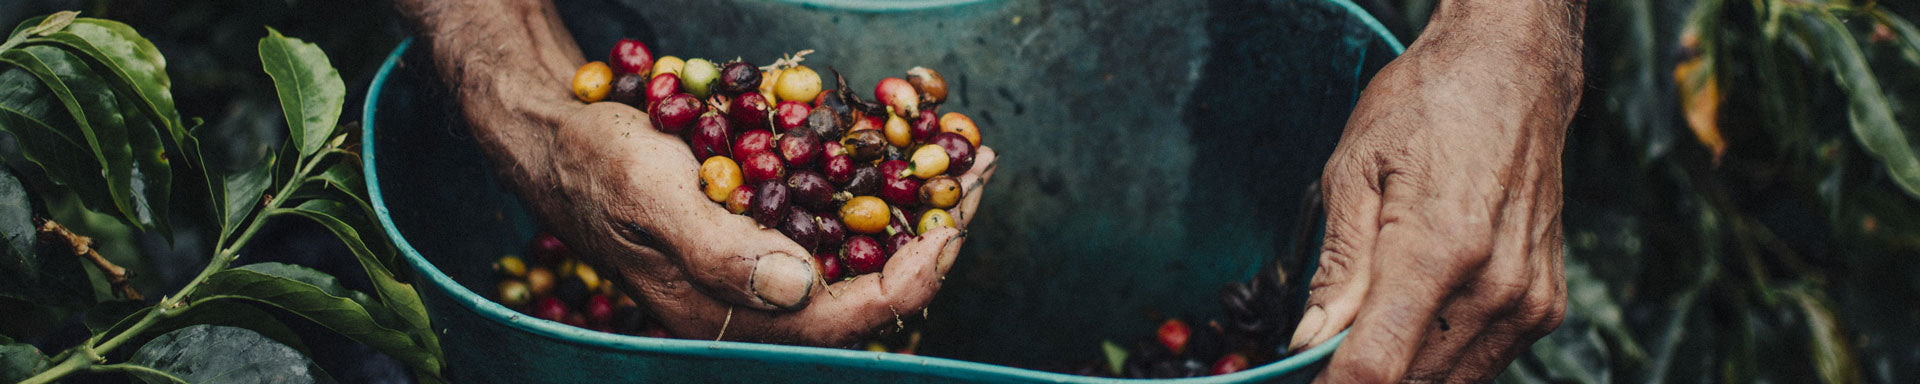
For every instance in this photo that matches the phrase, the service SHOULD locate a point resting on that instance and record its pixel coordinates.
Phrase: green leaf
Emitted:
(400, 297)
(39, 283)
(219, 354)
(318, 297)
(1833, 354)
(20, 361)
(311, 92)
(1869, 111)
(53, 23)
(95, 111)
(244, 189)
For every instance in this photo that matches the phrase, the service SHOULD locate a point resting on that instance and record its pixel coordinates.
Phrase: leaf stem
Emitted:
(134, 368)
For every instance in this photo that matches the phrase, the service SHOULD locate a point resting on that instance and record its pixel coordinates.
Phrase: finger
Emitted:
(852, 309)
(1423, 253)
(1335, 293)
(972, 184)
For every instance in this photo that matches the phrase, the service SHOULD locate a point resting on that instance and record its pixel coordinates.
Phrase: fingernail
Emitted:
(782, 280)
(1310, 321)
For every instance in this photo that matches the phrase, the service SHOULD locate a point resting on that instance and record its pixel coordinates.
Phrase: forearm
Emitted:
(505, 61)
(1519, 61)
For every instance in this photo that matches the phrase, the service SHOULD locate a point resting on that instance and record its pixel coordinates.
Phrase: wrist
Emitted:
(485, 53)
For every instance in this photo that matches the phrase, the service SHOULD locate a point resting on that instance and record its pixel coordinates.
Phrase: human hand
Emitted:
(625, 197)
(1443, 247)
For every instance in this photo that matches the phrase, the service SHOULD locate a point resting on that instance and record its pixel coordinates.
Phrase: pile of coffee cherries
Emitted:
(560, 288)
(1258, 324)
(848, 178)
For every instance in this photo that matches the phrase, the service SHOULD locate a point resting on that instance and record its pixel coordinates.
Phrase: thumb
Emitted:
(734, 259)
(728, 256)
(1340, 284)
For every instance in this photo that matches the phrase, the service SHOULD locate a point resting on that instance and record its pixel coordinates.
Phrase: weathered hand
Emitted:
(626, 197)
(1443, 247)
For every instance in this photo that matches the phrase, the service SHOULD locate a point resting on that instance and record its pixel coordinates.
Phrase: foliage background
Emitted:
(1786, 258)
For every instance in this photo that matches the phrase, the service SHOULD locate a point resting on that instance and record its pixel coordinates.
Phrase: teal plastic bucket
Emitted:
(1148, 157)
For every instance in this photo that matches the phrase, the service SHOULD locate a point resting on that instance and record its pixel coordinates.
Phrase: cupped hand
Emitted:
(1443, 247)
(626, 199)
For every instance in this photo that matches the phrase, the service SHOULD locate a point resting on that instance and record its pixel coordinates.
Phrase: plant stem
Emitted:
(90, 356)
(72, 363)
(83, 246)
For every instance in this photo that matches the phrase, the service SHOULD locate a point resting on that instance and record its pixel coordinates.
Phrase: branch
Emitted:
(83, 246)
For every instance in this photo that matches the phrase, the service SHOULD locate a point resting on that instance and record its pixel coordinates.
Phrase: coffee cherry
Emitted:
(866, 181)
(769, 79)
(830, 268)
(798, 84)
(676, 113)
(762, 166)
(771, 200)
(933, 218)
(862, 121)
(599, 311)
(862, 255)
(831, 101)
(540, 281)
(629, 89)
(961, 124)
(740, 199)
(710, 136)
(547, 249)
(931, 86)
(959, 152)
(631, 56)
(739, 77)
(750, 111)
(833, 233)
(719, 177)
(698, 77)
(1173, 335)
(571, 291)
(1232, 362)
(897, 241)
(940, 192)
(895, 169)
(588, 278)
(824, 123)
(667, 65)
(550, 309)
(864, 145)
(592, 82)
(898, 94)
(902, 191)
(510, 266)
(799, 226)
(899, 133)
(790, 115)
(929, 161)
(800, 147)
(753, 141)
(865, 214)
(661, 87)
(811, 190)
(924, 127)
(514, 293)
(838, 169)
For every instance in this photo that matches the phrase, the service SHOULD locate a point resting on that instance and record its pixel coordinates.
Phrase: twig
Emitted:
(724, 324)
(83, 246)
